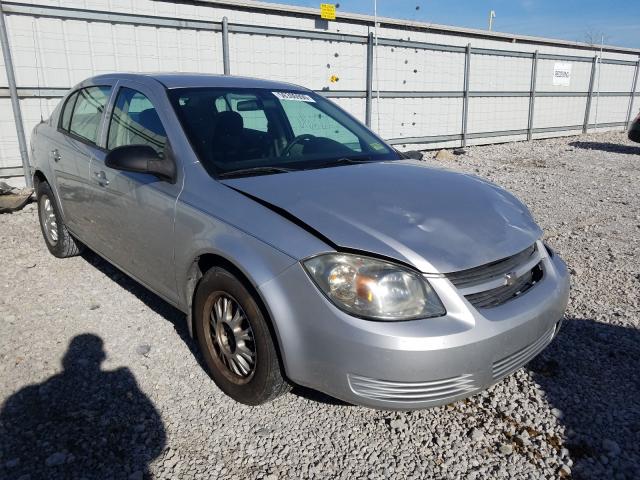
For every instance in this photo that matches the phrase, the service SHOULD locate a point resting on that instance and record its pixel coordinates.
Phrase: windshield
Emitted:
(256, 131)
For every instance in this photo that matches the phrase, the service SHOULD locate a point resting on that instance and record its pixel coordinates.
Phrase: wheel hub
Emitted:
(225, 338)
(48, 219)
(232, 337)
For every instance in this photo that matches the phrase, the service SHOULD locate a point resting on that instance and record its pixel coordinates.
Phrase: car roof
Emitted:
(191, 80)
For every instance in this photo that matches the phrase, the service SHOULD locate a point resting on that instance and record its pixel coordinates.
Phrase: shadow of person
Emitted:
(608, 147)
(82, 423)
(590, 375)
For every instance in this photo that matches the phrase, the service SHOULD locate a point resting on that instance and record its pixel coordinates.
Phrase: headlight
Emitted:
(374, 289)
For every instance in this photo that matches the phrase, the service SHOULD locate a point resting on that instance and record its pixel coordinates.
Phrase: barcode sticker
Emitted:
(296, 97)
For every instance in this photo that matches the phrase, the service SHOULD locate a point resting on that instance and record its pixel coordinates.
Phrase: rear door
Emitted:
(75, 144)
(136, 210)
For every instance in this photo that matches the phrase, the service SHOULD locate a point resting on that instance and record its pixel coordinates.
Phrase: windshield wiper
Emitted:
(254, 171)
(344, 161)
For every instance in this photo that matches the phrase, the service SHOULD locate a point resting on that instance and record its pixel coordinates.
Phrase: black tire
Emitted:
(56, 236)
(265, 380)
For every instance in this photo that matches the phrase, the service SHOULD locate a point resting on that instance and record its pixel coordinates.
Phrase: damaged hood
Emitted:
(437, 220)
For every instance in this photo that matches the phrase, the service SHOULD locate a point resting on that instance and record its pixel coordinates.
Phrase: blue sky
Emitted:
(618, 20)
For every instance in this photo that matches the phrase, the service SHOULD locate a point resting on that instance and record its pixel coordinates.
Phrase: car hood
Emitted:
(435, 219)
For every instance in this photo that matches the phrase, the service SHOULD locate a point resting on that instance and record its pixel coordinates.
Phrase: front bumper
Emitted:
(411, 364)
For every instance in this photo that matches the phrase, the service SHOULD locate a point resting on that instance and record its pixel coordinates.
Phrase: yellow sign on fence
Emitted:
(327, 11)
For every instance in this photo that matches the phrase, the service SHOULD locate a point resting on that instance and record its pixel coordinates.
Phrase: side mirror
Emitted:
(141, 159)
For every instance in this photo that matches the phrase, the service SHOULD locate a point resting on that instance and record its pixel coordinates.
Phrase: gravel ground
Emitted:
(100, 379)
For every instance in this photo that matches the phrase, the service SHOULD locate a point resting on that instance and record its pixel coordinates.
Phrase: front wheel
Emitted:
(235, 340)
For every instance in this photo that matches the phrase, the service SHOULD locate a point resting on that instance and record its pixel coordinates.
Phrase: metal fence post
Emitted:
(15, 101)
(465, 99)
(532, 93)
(369, 80)
(225, 46)
(585, 125)
(633, 93)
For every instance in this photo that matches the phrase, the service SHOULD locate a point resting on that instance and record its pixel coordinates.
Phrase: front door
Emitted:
(136, 210)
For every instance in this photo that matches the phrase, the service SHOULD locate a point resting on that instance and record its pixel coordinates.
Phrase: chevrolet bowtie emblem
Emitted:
(510, 278)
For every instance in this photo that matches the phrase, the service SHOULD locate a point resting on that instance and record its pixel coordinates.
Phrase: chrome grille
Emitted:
(489, 271)
(498, 282)
(516, 360)
(432, 391)
(498, 296)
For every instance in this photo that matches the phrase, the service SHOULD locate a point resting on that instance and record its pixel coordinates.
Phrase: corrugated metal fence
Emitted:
(412, 84)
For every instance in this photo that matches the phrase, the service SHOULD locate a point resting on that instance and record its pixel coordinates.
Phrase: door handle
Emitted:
(102, 178)
(55, 154)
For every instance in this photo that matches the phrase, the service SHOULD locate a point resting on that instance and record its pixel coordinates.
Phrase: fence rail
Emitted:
(468, 53)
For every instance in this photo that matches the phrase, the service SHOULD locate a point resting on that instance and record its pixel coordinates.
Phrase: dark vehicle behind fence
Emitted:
(634, 130)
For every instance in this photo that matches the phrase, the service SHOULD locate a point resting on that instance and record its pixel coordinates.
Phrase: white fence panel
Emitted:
(608, 109)
(417, 117)
(422, 85)
(495, 114)
(559, 111)
(499, 73)
(410, 69)
(312, 62)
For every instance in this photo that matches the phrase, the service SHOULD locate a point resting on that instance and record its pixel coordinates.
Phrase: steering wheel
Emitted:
(295, 141)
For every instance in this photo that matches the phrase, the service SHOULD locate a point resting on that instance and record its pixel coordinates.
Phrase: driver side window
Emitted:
(135, 121)
(306, 119)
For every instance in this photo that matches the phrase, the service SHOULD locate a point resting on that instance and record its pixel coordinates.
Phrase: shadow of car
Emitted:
(607, 147)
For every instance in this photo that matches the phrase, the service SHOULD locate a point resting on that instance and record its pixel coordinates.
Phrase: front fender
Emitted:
(198, 233)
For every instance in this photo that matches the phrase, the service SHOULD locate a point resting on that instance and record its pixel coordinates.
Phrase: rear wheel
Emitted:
(56, 236)
(235, 340)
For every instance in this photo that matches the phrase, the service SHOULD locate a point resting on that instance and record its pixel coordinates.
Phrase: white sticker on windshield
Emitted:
(296, 97)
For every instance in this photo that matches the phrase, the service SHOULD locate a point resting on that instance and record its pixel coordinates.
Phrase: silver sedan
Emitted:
(301, 247)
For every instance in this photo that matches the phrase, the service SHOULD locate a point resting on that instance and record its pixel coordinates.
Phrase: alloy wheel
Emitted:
(232, 337)
(48, 219)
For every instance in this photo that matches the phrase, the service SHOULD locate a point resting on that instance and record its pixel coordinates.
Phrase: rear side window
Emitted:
(67, 110)
(135, 121)
(87, 112)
